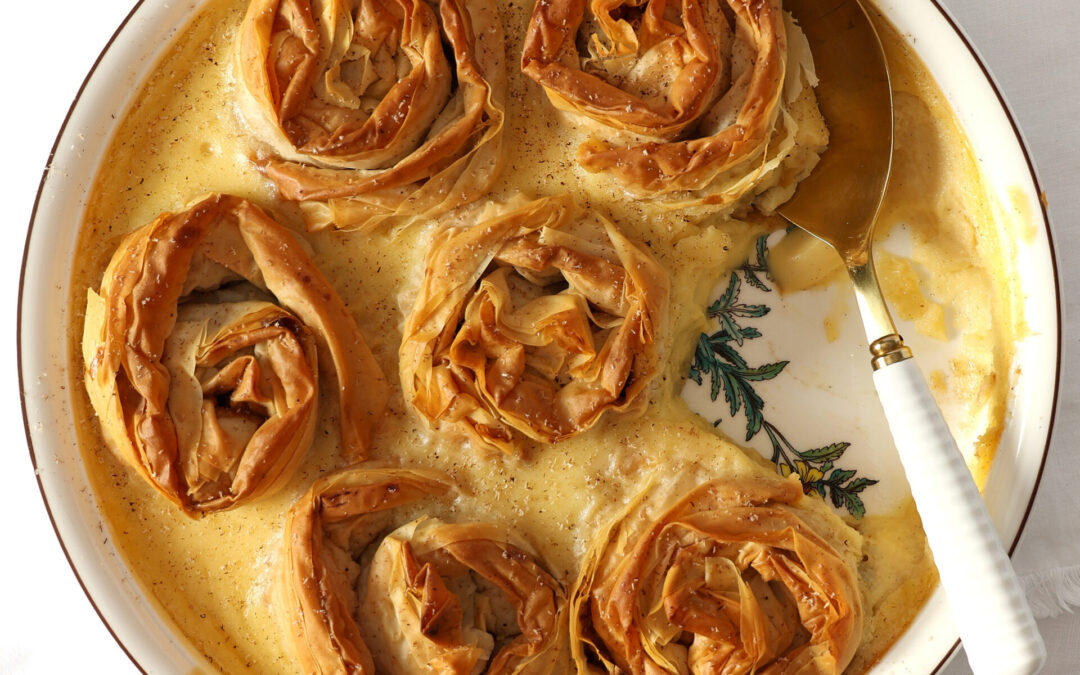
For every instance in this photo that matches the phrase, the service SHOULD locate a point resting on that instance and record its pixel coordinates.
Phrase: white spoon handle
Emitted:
(995, 622)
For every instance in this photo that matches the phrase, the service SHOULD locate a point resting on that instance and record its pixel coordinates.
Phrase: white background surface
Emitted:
(46, 623)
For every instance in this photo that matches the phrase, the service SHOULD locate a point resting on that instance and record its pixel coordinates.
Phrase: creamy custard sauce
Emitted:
(182, 139)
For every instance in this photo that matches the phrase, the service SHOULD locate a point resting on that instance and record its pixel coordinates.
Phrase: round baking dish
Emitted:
(147, 635)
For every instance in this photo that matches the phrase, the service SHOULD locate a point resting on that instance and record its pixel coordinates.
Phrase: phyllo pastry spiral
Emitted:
(370, 584)
(377, 110)
(535, 318)
(727, 578)
(695, 103)
(201, 355)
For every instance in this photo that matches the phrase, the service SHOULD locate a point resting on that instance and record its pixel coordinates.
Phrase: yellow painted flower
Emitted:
(808, 474)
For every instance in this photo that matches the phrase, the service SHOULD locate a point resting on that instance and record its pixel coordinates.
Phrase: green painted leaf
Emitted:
(838, 476)
(854, 505)
(748, 311)
(731, 328)
(703, 354)
(754, 404)
(703, 357)
(761, 248)
(727, 353)
(859, 484)
(716, 339)
(753, 280)
(829, 453)
(837, 496)
(761, 373)
(731, 390)
(727, 299)
(716, 374)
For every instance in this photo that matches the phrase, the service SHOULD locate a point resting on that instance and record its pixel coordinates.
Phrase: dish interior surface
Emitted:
(950, 248)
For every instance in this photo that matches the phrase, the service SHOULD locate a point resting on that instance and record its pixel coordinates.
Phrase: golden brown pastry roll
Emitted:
(535, 319)
(370, 584)
(376, 110)
(693, 103)
(727, 578)
(201, 355)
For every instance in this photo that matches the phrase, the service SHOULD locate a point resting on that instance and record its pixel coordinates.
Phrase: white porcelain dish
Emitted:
(148, 636)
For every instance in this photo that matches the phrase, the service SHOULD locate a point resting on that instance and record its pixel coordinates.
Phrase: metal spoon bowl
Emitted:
(838, 203)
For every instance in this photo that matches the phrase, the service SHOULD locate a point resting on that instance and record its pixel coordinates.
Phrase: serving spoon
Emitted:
(838, 203)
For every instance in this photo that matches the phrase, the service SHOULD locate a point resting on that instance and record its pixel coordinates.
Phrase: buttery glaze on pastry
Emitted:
(695, 103)
(376, 110)
(726, 578)
(204, 386)
(535, 317)
(367, 590)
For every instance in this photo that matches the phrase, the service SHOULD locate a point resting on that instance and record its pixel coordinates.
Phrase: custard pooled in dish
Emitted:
(699, 103)
(375, 111)
(200, 353)
(373, 585)
(533, 318)
(725, 578)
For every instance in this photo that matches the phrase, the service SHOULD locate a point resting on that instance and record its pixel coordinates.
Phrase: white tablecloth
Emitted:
(46, 623)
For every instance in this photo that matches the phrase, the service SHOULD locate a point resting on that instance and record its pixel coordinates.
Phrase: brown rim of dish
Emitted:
(139, 3)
